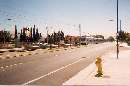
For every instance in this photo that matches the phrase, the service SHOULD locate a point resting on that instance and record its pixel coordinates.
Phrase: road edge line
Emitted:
(36, 79)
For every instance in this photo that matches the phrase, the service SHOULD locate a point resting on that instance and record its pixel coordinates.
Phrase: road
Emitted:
(50, 68)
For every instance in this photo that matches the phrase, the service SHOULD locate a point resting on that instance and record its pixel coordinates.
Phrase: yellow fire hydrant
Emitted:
(99, 67)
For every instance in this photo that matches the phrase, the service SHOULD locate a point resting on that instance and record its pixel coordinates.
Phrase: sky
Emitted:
(66, 15)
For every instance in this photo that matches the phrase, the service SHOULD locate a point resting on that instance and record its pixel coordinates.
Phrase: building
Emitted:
(92, 39)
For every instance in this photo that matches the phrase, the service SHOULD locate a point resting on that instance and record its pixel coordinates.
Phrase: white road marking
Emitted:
(15, 64)
(1, 57)
(20, 63)
(8, 56)
(52, 72)
(11, 65)
(6, 66)
(70, 51)
(1, 67)
(3, 70)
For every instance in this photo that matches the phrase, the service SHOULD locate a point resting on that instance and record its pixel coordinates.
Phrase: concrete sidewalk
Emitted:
(116, 71)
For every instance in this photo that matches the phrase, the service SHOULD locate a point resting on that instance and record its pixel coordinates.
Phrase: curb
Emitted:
(89, 70)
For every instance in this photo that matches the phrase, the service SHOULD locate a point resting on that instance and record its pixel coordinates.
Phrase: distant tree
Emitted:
(34, 37)
(55, 38)
(16, 32)
(127, 38)
(59, 36)
(49, 39)
(40, 34)
(31, 35)
(122, 36)
(37, 36)
(16, 36)
(62, 35)
(24, 35)
(21, 36)
(5, 36)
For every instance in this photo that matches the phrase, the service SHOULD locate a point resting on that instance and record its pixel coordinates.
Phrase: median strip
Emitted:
(3, 67)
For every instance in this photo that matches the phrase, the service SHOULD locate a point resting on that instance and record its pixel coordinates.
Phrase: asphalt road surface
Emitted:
(50, 68)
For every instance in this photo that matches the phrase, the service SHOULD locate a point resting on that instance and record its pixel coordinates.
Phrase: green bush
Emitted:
(128, 44)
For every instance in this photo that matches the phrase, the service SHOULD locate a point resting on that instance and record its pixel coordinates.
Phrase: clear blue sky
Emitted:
(93, 15)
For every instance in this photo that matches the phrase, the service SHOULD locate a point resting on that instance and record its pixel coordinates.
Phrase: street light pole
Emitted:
(80, 34)
(16, 37)
(120, 25)
(117, 35)
(47, 34)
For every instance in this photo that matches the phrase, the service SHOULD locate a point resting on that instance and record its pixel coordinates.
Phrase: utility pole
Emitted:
(16, 37)
(120, 25)
(80, 34)
(47, 34)
(117, 35)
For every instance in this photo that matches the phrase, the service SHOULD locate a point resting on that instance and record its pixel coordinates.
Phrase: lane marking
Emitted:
(36, 79)
(1, 57)
(20, 63)
(11, 65)
(15, 64)
(6, 66)
(70, 51)
(3, 70)
(1, 67)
